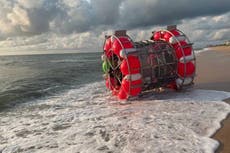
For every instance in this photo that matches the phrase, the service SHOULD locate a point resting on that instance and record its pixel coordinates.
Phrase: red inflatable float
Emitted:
(184, 53)
(122, 79)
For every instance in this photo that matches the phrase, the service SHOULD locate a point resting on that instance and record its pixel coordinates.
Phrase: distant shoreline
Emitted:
(219, 48)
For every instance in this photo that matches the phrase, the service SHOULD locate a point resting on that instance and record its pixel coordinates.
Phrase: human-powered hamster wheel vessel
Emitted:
(131, 68)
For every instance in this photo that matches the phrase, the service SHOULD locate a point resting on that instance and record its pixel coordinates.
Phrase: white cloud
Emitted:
(221, 34)
(207, 30)
(81, 24)
(87, 41)
(30, 3)
(18, 17)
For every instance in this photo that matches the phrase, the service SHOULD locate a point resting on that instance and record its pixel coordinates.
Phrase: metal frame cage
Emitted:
(157, 63)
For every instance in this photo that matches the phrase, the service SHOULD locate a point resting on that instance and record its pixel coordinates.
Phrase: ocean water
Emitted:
(198, 51)
(58, 103)
(29, 77)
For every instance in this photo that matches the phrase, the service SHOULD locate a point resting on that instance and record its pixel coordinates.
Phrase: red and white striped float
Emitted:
(184, 52)
(128, 67)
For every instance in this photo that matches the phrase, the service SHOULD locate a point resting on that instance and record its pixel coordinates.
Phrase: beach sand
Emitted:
(213, 73)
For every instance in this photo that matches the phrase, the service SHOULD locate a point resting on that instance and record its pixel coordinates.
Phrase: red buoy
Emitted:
(108, 44)
(132, 88)
(190, 69)
(120, 43)
(170, 34)
(133, 65)
(157, 35)
(182, 47)
(122, 94)
(107, 47)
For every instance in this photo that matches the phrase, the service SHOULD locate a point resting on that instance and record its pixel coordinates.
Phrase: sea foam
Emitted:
(89, 120)
(198, 51)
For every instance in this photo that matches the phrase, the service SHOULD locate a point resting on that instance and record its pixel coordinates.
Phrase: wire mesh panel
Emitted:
(158, 63)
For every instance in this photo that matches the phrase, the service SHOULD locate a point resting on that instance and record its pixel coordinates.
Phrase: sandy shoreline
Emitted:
(213, 73)
(220, 48)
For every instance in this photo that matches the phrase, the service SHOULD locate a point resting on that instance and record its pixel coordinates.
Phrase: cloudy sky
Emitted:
(82, 24)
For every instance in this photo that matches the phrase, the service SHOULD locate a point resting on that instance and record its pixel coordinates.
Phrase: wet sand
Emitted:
(213, 73)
